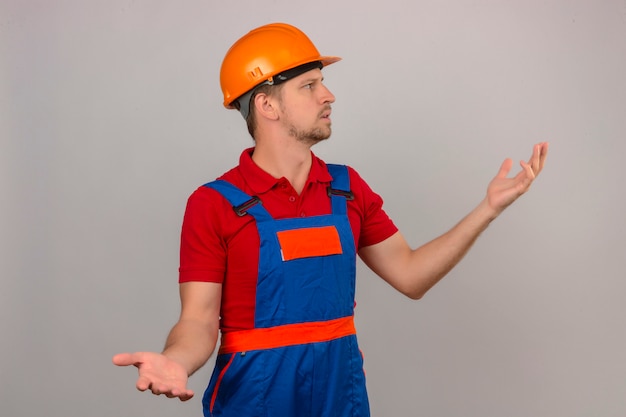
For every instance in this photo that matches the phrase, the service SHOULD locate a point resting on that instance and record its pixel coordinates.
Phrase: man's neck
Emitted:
(289, 159)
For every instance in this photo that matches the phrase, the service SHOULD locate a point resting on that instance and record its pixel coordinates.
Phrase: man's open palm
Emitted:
(157, 373)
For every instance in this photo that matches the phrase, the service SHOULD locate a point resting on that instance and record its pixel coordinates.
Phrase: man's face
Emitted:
(305, 107)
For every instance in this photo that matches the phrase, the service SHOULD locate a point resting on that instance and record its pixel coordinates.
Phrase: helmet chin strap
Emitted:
(243, 103)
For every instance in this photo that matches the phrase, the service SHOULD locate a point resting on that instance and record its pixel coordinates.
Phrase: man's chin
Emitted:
(316, 137)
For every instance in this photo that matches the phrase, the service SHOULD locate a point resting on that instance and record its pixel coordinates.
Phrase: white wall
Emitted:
(110, 116)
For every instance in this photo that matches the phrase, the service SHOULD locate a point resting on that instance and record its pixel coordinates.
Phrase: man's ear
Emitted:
(265, 106)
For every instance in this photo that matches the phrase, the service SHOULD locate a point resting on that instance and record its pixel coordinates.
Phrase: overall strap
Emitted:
(339, 190)
(242, 203)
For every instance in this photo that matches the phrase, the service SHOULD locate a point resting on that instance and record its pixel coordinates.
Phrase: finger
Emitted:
(543, 155)
(187, 395)
(527, 171)
(163, 389)
(538, 158)
(533, 161)
(183, 395)
(158, 389)
(144, 383)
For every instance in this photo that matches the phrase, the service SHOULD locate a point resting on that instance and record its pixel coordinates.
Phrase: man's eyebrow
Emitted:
(312, 79)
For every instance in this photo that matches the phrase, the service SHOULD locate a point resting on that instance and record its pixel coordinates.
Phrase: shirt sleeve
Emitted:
(202, 249)
(376, 226)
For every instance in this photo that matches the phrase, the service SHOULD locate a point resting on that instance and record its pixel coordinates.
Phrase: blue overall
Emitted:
(318, 379)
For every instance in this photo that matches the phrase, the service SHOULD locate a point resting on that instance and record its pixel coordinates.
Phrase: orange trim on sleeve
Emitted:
(287, 335)
(309, 242)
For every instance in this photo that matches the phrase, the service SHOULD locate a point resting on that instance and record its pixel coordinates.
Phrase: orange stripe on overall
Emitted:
(287, 335)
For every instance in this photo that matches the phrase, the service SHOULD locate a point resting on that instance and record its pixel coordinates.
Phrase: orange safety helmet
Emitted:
(262, 54)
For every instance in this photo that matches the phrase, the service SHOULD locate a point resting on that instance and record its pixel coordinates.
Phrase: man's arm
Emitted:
(189, 345)
(192, 340)
(414, 271)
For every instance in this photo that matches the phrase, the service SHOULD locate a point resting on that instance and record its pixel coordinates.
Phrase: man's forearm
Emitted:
(191, 343)
(432, 261)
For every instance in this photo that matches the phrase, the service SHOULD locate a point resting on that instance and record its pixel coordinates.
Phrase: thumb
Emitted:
(126, 359)
(505, 168)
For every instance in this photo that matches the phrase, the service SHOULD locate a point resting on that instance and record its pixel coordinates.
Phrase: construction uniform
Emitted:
(300, 356)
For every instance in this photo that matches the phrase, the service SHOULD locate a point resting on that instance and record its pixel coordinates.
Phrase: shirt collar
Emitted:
(260, 181)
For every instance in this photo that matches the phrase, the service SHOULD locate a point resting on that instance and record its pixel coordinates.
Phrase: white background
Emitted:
(110, 116)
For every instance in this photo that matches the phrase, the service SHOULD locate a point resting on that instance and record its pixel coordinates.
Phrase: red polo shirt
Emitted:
(219, 246)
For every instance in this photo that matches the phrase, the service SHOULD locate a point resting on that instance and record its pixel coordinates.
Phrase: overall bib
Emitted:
(302, 358)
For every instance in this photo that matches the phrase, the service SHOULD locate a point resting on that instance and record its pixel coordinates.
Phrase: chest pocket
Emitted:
(309, 242)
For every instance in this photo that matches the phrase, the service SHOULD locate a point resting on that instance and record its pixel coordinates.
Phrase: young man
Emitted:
(268, 251)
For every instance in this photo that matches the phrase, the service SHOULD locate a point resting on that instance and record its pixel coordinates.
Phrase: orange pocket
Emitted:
(309, 242)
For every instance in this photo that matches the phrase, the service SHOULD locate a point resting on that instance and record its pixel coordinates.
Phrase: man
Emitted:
(268, 251)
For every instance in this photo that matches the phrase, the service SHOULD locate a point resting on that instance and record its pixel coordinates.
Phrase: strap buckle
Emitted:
(242, 209)
(349, 195)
